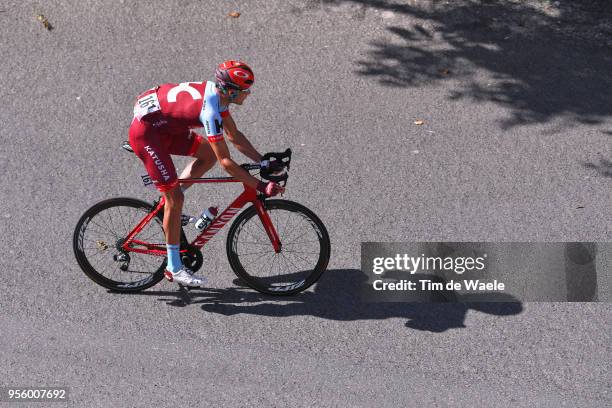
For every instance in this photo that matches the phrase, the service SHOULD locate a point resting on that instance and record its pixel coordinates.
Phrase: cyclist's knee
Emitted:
(174, 197)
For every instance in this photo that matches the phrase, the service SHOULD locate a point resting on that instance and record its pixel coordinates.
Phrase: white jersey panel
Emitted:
(210, 116)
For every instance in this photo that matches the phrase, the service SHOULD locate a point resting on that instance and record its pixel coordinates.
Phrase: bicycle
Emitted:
(276, 233)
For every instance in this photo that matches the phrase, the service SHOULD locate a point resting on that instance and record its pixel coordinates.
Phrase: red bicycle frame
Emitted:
(249, 195)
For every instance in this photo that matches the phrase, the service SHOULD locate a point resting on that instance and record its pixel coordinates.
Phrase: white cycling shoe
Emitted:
(185, 277)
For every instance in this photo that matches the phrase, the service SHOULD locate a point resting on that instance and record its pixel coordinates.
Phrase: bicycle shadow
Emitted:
(337, 297)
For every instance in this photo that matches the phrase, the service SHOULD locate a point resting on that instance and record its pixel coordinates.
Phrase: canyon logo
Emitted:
(216, 225)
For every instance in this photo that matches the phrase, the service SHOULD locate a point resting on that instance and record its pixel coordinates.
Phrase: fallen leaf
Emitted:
(419, 122)
(234, 14)
(44, 21)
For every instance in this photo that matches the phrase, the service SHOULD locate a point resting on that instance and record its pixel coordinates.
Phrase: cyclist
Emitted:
(164, 117)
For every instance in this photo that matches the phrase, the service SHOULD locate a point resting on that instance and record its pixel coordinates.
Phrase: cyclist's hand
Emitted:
(270, 189)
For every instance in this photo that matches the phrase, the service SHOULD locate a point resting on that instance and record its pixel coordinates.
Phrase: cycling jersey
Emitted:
(163, 119)
(176, 107)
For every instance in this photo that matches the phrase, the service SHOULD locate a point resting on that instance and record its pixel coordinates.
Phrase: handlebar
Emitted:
(250, 166)
(282, 158)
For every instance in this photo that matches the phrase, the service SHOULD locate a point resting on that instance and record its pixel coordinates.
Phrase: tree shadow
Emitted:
(543, 63)
(336, 297)
(604, 167)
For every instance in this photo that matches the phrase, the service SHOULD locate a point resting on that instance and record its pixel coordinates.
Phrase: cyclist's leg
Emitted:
(153, 148)
(150, 146)
(172, 226)
(197, 146)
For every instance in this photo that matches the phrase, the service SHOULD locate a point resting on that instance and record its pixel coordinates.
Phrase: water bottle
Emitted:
(206, 218)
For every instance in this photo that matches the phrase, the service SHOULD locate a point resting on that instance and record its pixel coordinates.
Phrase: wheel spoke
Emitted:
(257, 243)
(110, 232)
(290, 261)
(110, 222)
(301, 252)
(254, 253)
(304, 233)
(300, 243)
(300, 257)
(125, 228)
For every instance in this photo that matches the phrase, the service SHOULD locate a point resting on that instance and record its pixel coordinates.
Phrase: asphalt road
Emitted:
(515, 146)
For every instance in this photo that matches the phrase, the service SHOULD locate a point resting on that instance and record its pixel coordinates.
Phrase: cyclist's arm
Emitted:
(223, 156)
(239, 140)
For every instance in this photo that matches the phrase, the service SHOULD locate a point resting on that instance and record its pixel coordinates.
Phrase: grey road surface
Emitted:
(514, 145)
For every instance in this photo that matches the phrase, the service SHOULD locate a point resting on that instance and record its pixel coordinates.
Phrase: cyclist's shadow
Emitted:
(337, 297)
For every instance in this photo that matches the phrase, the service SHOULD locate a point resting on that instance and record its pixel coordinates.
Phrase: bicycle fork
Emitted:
(268, 226)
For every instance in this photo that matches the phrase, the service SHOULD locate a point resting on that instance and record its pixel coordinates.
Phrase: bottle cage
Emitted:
(275, 175)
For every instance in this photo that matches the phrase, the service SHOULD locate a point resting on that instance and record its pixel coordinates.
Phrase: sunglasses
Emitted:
(238, 89)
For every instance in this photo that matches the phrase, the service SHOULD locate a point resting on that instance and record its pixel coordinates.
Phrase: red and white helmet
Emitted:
(234, 74)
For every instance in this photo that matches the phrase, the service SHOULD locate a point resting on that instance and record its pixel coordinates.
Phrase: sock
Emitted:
(174, 259)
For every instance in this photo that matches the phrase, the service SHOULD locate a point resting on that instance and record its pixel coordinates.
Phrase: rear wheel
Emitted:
(304, 254)
(98, 238)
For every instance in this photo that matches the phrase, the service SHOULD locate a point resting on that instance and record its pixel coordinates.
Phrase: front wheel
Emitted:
(304, 254)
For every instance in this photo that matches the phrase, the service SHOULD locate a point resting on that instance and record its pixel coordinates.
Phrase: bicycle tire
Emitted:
(85, 261)
(275, 286)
